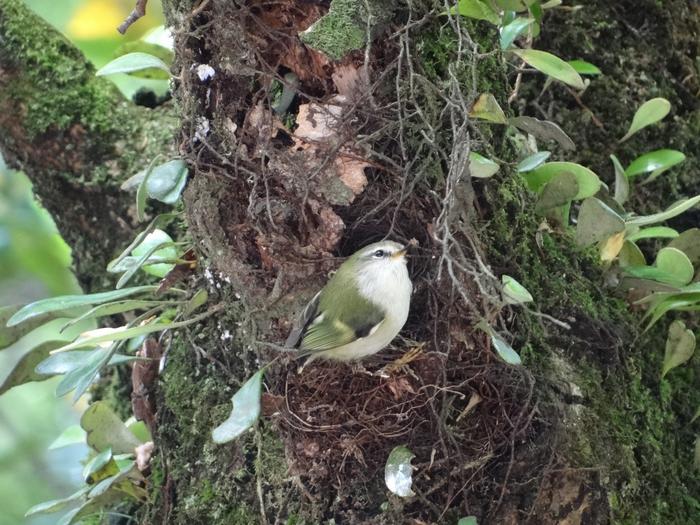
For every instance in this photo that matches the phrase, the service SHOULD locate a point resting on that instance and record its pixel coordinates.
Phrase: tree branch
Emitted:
(74, 135)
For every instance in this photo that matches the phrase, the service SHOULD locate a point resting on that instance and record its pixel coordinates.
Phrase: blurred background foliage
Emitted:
(91, 26)
(35, 263)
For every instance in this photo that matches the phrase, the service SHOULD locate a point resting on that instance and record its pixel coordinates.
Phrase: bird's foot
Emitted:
(359, 368)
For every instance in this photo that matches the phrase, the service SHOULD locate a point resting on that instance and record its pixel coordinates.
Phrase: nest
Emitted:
(456, 411)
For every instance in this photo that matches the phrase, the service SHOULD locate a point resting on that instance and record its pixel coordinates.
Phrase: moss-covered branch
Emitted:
(73, 134)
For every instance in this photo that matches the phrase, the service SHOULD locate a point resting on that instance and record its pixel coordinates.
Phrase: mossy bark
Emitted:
(75, 137)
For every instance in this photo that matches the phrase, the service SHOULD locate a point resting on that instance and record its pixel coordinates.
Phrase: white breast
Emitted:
(389, 287)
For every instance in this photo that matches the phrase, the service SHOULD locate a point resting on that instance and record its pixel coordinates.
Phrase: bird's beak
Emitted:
(400, 254)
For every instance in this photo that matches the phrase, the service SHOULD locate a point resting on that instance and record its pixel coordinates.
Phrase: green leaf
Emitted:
(139, 429)
(106, 431)
(652, 273)
(503, 349)
(81, 377)
(72, 435)
(245, 412)
(622, 183)
(655, 161)
(66, 362)
(513, 30)
(487, 108)
(655, 232)
(160, 52)
(544, 130)
(584, 68)
(672, 211)
(672, 303)
(69, 517)
(398, 472)
(198, 299)
(132, 62)
(97, 464)
(480, 167)
(156, 245)
(476, 9)
(597, 222)
(631, 255)
(56, 504)
(116, 307)
(118, 480)
(689, 243)
(159, 219)
(469, 520)
(691, 290)
(533, 161)
(680, 345)
(513, 292)
(551, 65)
(23, 371)
(95, 337)
(66, 302)
(165, 183)
(12, 334)
(651, 112)
(696, 453)
(588, 182)
(559, 191)
(142, 190)
(675, 263)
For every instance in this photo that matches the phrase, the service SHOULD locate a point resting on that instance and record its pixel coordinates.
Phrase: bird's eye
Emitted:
(379, 254)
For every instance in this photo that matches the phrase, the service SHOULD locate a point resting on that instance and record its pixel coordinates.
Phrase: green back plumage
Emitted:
(347, 315)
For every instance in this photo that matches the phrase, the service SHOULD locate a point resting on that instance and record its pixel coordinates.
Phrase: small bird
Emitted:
(361, 308)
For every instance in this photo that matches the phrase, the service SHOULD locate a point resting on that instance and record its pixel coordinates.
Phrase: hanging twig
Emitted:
(138, 12)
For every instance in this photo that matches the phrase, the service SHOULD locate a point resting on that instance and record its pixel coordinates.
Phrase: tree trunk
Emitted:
(375, 144)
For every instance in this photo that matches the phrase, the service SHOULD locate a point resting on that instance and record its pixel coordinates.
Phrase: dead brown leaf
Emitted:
(352, 172)
(143, 455)
(351, 82)
(330, 227)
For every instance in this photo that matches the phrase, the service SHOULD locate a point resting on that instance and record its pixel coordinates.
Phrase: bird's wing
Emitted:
(338, 321)
(306, 317)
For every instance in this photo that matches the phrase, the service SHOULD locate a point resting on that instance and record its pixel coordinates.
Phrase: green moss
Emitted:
(344, 28)
(627, 422)
(437, 47)
(54, 68)
(215, 483)
(636, 426)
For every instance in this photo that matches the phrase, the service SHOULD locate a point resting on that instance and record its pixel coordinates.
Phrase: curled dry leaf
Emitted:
(318, 129)
(330, 227)
(319, 122)
(352, 172)
(400, 386)
(350, 81)
(143, 378)
(143, 455)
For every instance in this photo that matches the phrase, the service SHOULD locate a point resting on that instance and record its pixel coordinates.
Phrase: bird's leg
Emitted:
(359, 368)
